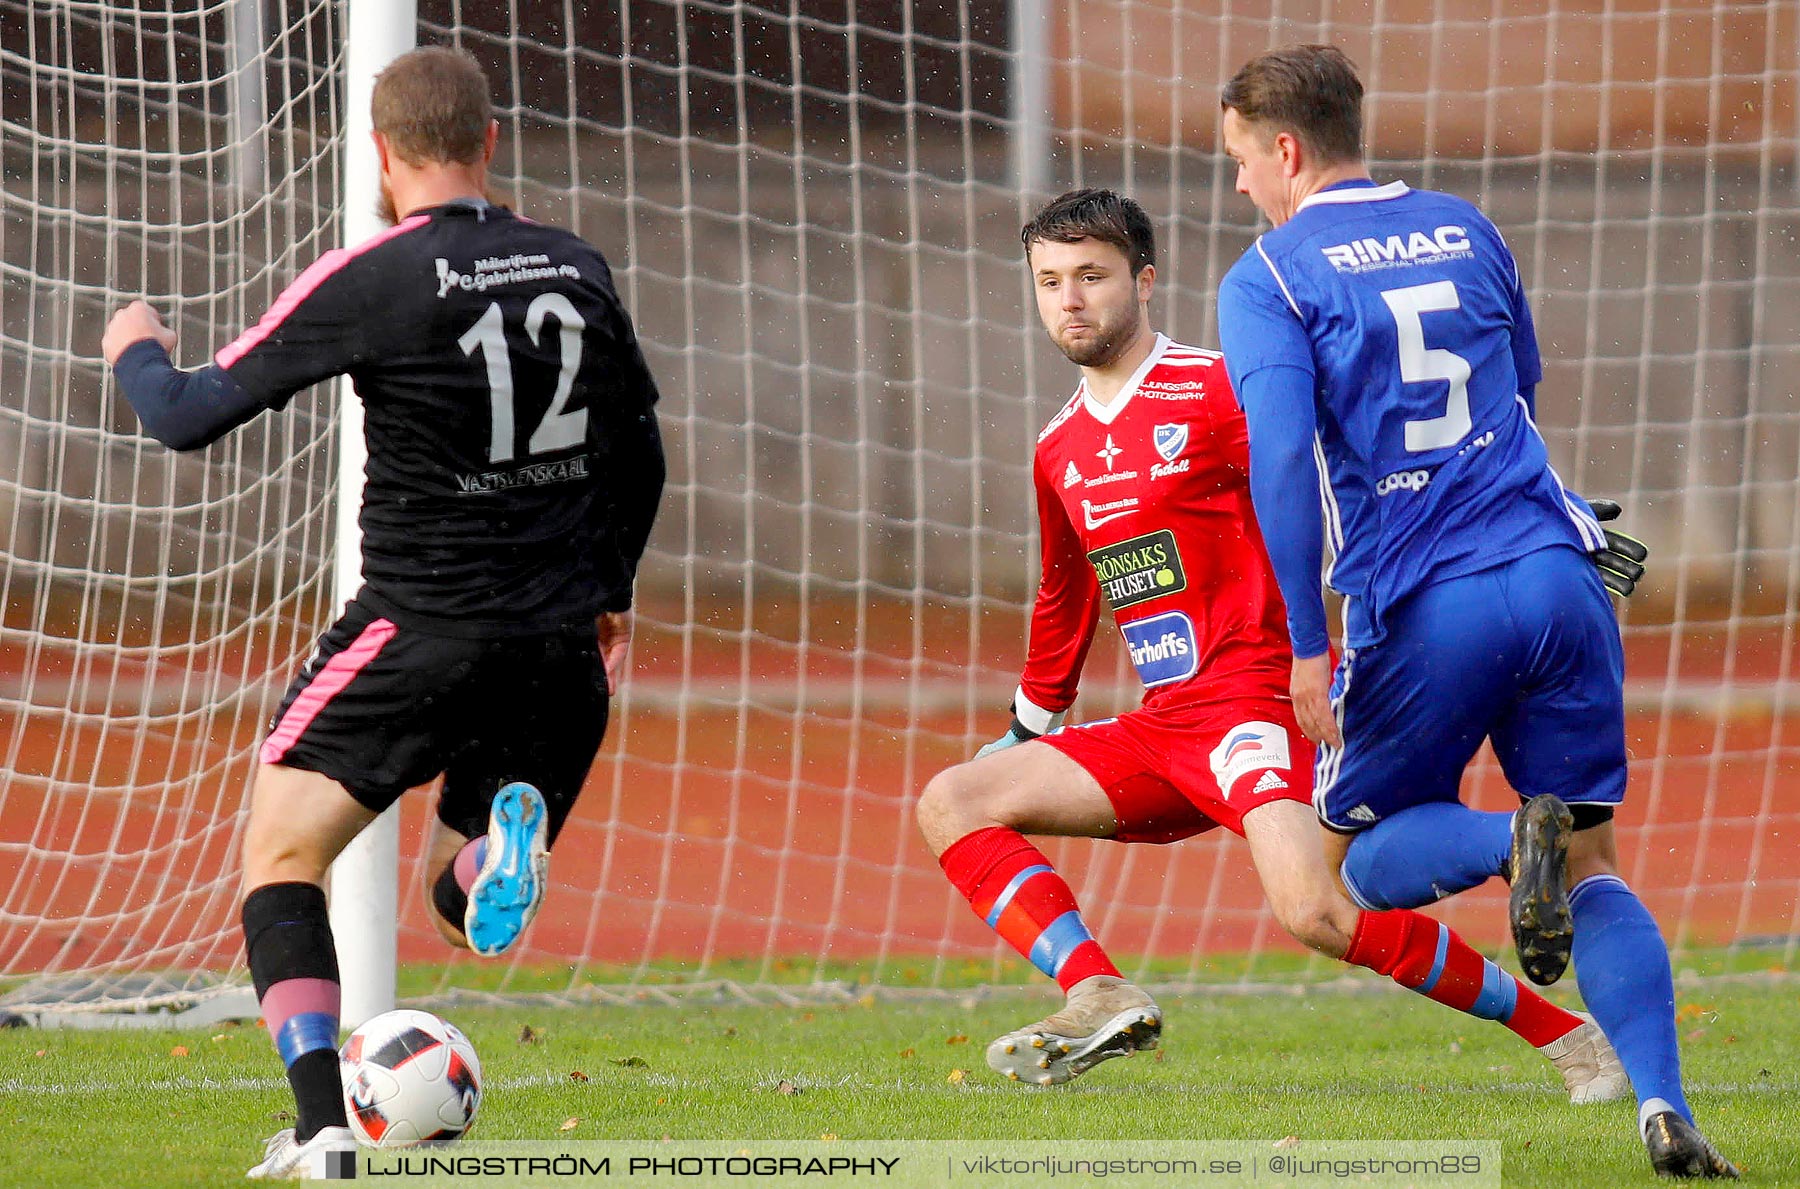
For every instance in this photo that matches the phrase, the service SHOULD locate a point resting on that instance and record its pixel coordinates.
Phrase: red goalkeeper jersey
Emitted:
(1145, 503)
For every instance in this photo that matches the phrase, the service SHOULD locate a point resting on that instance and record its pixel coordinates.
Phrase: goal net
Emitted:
(813, 212)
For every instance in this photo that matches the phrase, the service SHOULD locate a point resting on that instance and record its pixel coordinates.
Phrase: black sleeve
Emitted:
(182, 410)
(320, 326)
(637, 453)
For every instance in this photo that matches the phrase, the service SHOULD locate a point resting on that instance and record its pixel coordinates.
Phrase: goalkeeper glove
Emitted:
(1015, 735)
(1621, 562)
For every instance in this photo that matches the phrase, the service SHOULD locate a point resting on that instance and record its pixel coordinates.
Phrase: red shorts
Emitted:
(1175, 771)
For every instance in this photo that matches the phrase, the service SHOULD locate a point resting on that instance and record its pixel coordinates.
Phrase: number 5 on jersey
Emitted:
(559, 428)
(1420, 364)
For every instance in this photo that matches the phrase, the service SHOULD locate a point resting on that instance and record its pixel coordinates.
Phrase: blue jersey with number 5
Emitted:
(1405, 308)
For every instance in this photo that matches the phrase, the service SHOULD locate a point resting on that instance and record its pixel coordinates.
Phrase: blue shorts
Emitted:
(1526, 654)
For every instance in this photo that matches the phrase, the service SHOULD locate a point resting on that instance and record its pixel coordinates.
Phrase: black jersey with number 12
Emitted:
(514, 463)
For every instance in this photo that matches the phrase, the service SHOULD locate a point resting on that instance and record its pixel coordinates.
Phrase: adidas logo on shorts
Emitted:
(1269, 781)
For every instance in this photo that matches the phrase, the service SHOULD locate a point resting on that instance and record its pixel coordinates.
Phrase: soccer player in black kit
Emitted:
(514, 469)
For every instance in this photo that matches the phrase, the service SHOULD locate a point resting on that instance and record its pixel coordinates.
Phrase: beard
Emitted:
(1107, 343)
(384, 206)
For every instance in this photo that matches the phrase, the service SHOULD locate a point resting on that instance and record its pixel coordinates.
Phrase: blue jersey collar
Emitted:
(1356, 191)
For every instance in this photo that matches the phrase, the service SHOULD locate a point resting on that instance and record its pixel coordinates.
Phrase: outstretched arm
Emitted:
(182, 410)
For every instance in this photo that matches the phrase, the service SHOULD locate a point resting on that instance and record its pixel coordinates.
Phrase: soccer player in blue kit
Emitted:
(1380, 343)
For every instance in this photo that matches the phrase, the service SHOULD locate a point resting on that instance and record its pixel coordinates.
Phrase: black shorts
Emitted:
(381, 708)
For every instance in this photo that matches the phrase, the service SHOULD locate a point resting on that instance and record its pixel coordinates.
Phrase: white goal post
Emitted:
(364, 892)
(812, 210)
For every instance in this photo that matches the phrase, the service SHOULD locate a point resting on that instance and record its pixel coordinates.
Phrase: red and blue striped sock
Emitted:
(1011, 885)
(1426, 956)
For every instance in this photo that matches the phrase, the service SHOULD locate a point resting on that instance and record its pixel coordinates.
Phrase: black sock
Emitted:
(287, 937)
(318, 1092)
(448, 897)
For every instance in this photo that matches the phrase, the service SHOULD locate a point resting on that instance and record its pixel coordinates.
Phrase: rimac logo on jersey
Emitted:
(1170, 440)
(1247, 747)
(1362, 255)
(1141, 568)
(1162, 648)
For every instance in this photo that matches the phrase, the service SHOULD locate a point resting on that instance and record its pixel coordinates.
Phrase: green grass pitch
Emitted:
(156, 1108)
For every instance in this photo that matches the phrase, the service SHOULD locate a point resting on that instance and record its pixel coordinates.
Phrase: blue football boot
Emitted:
(510, 886)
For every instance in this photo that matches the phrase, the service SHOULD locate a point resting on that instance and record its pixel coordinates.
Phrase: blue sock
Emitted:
(1622, 967)
(1427, 852)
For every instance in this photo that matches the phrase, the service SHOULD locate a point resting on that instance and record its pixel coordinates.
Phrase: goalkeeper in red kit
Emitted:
(1143, 501)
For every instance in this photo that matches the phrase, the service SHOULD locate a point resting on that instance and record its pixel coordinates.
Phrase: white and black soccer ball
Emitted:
(409, 1078)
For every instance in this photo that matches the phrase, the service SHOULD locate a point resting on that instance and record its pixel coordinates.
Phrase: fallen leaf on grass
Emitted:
(786, 1087)
(1287, 1141)
(956, 1076)
(569, 1124)
(528, 1035)
(631, 1062)
(959, 1039)
(907, 1052)
(179, 1051)
(575, 1075)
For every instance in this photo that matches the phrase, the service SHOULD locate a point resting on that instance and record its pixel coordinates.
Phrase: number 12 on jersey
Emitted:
(560, 428)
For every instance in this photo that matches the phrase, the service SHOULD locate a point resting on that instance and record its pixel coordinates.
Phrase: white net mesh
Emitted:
(813, 210)
(150, 602)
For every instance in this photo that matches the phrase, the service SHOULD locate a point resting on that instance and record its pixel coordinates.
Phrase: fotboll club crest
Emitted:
(1170, 440)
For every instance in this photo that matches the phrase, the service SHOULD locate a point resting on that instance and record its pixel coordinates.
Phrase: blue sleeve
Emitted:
(1526, 362)
(182, 410)
(1269, 359)
(1284, 487)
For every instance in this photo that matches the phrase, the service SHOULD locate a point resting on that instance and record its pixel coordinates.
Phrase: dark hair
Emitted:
(432, 105)
(1095, 214)
(1309, 90)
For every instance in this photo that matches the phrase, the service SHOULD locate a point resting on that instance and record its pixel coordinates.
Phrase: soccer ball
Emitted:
(409, 1078)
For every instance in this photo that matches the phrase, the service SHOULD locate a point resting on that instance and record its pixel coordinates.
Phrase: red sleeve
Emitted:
(1067, 607)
